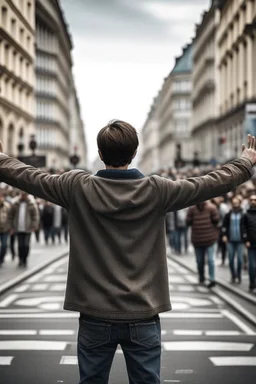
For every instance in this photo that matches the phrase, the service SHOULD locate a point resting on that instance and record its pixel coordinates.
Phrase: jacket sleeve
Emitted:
(178, 194)
(55, 188)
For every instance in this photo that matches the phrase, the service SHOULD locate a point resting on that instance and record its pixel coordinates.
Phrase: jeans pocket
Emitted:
(93, 334)
(146, 334)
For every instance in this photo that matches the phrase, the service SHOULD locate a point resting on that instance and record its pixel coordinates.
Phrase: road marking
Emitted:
(190, 315)
(17, 332)
(55, 278)
(191, 301)
(68, 360)
(184, 371)
(192, 279)
(181, 332)
(186, 288)
(171, 381)
(56, 332)
(216, 300)
(222, 333)
(245, 328)
(32, 345)
(51, 306)
(6, 360)
(229, 361)
(39, 287)
(202, 289)
(8, 300)
(22, 288)
(40, 315)
(58, 287)
(37, 301)
(35, 278)
(205, 346)
(176, 279)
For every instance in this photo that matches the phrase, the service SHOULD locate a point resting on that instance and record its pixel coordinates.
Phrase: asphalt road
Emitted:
(203, 340)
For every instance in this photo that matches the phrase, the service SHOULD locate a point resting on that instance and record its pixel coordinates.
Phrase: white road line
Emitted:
(188, 332)
(32, 345)
(39, 287)
(22, 288)
(222, 333)
(190, 315)
(216, 300)
(202, 289)
(40, 315)
(231, 316)
(176, 279)
(229, 361)
(17, 332)
(205, 346)
(68, 360)
(35, 278)
(58, 287)
(8, 300)
(55, 278)
(171, 381)
(192, 279)
(56, 332)
(185, 288)
(6, 360)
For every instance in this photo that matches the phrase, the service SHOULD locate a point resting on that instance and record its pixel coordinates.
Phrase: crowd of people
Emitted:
(224, 227)
(20, 216)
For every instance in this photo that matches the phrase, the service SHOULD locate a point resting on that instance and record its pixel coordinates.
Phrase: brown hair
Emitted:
(117, 143)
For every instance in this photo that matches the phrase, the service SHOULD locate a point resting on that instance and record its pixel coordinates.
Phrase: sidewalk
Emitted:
(39, 253)
(222, 273)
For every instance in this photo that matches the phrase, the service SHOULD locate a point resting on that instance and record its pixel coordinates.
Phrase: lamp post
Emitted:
(33, 144)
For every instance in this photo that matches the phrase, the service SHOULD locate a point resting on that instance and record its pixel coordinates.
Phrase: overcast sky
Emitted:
(123, 49)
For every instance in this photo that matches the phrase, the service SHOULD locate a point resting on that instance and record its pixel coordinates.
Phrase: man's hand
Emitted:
(247, 244)
(224, 239)
(250, 152)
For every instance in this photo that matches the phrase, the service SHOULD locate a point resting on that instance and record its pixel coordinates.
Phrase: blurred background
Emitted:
(181, 72)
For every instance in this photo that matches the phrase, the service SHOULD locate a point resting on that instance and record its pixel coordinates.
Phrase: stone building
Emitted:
(17, 81)
(77, 139)
(236, 61)
(204, 80)
(53, 83)
(148, 148)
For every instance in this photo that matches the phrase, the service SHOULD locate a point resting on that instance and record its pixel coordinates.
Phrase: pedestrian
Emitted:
(23, 220)
(118, 276)
(232, 234)
(250, 239)
(64, 223)
(170, 231)
(4, 226)
(223, 209)
(203, 219)
(181, 230)
(47, 221)
(57, 222)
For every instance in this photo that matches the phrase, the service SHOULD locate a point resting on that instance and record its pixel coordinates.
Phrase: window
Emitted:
(29, 10)
(28, 43)
(4, 16)
(21, 36)
(13, 27)
(181, 104)
(182, 86)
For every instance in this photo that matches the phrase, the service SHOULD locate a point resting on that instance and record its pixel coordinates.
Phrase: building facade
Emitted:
(17, 80)
(77, 139)
(236, 56)
(204, 80)
(174, 112)
(53, 83)
(149, 141)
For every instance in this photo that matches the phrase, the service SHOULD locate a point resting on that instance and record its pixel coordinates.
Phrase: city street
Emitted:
(203, 340)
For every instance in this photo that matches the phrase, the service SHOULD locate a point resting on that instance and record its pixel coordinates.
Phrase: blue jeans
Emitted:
(200, 259)
(3, 241)
(235, 248)
(140, 341)
(252, 264)
(182, 233)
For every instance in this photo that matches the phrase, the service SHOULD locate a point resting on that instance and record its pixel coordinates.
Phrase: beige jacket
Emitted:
(117, 263)
(4, 223)
(31, 216)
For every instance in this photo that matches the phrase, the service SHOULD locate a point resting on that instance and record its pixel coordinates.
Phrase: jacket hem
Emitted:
(131, 315)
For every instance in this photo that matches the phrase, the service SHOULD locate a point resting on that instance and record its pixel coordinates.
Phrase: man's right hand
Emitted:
(224, 239)
(247, 244)
(250, 151)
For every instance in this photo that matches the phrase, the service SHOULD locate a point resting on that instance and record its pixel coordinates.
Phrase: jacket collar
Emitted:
(132, 173)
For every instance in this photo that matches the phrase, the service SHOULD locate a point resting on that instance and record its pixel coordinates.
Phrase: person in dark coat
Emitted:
(233, 234)
(47, 221)
(250, 240)
(204, 218)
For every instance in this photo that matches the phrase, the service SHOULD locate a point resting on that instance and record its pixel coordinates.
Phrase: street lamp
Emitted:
(33, 144)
